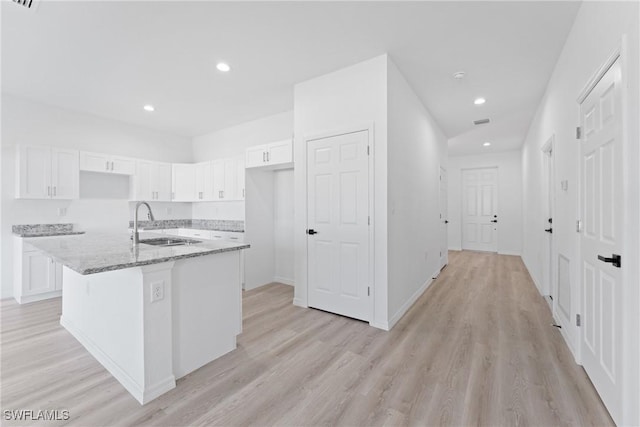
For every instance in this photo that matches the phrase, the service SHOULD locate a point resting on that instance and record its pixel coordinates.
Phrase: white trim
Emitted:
(141, 394)
(283, 280)
(535, 281)
(408, 304)
(595, 78)
(26, 299)
(510, 253)
(365, 126)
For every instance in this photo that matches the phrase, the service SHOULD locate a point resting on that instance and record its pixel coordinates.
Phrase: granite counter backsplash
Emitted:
(200, 224)
(43, 230)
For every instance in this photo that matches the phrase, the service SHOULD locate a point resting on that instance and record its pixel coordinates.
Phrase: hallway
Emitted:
(478, 348)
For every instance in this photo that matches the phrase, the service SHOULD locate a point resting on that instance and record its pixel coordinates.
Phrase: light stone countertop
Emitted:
(92, 253)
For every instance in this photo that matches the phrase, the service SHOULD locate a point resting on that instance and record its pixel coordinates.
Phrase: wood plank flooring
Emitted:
(477, 348)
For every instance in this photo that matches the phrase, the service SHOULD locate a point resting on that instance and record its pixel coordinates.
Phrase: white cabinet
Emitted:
(97, 162)
(240, 172)
(219, 179)
(204, 181)
(228, 179)
(183, 182)
(195, 234)
(46, 173)
(279, 154)
(152, 181)
(36, 276)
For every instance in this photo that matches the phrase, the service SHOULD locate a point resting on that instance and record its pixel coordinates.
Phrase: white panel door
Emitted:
(204, 181)
(161, 180)
(444, 220)
(35, 172)
(38, 273)
(144, 180)
(480, 209)
(94, 162)
(65, 174)
(218, 169)
(338, 236)
(240, 171)
(230, 180)
(256, 156)
(123, 165)
(601, 238)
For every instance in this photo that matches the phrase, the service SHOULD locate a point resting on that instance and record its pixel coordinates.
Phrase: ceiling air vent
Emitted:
(481, 121)
(29, 4)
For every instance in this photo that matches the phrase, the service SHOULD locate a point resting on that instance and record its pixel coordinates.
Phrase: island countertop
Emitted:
(93, 253)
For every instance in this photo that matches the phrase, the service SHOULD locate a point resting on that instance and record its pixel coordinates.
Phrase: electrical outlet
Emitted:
(157, 291)
(62, 211)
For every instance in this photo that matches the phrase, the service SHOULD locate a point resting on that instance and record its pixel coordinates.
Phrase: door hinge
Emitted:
(578, 322)
(368, 291)
(578, 225)
(367, 150)
(368, 220)
(578, 132)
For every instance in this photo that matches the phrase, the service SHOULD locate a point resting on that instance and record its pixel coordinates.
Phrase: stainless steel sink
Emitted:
(169, 241)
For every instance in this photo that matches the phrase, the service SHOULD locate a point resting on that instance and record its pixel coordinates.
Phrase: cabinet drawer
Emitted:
(195, 234)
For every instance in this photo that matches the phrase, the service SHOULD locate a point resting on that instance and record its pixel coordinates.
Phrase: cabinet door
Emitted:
(38, 273)
(204, 181)
(256, 156)
(218, 180)
(161, 181)
(123, 166)
(65, 174)
(94, 162)
(57, 276)
(280, 152)
(183, 182)
(230, 191)
(34, 172)
(240, 171)
(144, 180)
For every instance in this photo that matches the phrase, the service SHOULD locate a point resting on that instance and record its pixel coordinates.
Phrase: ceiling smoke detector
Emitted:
(481, 121)
(459, 75)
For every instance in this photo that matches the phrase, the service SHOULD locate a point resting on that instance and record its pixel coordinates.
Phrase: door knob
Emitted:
(549, 230)
(311, 231)
(494, 220)
(446, 221)
(615, 259)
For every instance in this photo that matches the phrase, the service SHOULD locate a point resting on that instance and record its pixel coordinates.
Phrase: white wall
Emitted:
(283, 225)
(355, 96)
(26, 122)
(596, 33)
(509, 166)
(417, 148)
(232, 142)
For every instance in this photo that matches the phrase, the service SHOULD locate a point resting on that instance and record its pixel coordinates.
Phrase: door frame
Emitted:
(446, 225)
(630, 340)
(548, 150)
(462, 188)
(369, 128)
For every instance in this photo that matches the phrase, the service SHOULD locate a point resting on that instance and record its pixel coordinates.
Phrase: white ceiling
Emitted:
(111, 58)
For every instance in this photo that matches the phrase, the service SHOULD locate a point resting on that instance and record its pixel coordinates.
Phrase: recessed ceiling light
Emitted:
(222, 66)
(479, 101)
(148, 107)
(486, 144)
(459, 75)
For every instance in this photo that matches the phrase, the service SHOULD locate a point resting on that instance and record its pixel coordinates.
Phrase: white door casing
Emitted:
(444, 219)
(480, 209)
(338, 211)
(601, 237)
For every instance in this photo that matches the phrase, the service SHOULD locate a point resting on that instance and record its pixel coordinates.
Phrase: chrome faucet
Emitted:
(136, 236)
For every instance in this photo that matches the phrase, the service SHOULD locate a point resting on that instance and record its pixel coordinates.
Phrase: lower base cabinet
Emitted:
(36, 275)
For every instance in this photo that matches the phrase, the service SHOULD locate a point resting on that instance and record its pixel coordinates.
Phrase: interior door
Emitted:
(480, 209)
(338, 230)
(444, 220)
(601, 201)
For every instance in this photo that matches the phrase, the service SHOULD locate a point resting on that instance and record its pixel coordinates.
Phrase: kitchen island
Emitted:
(149, 314)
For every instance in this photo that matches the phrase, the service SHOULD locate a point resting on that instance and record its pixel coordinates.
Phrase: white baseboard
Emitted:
(407, 305)
(380, 325)
(514, 253)
(283, 280)
(298, 302)
(456, 248)
(137, 391)
(25, 299)
(535, 281)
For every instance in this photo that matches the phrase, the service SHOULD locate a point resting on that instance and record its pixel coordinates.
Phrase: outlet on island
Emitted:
(157, 291)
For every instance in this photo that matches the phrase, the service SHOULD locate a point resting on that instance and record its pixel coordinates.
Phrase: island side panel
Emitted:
(106, 313)
(206, 309)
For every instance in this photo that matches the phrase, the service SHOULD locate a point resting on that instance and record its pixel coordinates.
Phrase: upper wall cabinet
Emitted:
(46, 173)
(275, 155)
(204, 182)
(96, 162)
(183, 182)
(152, 181)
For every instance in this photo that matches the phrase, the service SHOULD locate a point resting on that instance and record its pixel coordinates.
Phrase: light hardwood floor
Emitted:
(477, 348)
